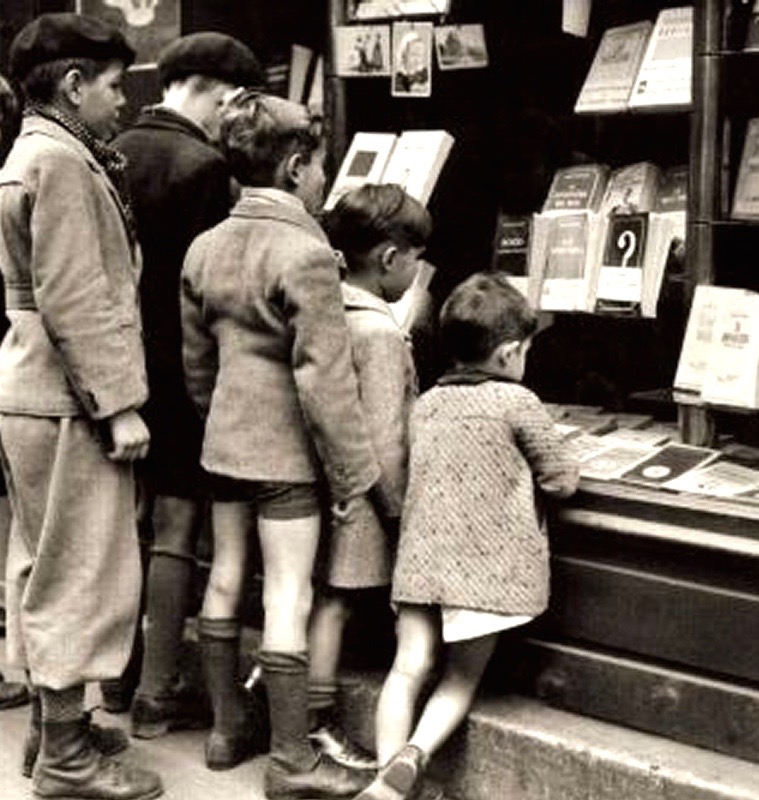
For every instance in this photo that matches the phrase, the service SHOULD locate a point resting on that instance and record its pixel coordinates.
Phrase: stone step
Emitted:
(516, 748)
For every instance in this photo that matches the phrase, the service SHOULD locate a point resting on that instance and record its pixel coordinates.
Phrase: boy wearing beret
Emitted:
(179, 184)
(72, 378)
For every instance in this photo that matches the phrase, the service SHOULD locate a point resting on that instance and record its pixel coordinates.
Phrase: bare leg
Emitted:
(418, 630)
(326, 635)
(454, 695)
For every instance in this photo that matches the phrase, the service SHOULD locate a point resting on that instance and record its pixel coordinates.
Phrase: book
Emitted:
(577, 188)
(417, 160)
(511, 247)
(364, 162)
(667, 463)
(732, 377)
(415, 300)
(746, 196)
(650, 437)
(631, 189)
(413, 159)
(720, 479)
(563, 252)
(594, 423)
(614, 68)
(700, 333)
(620, 277)
(611, 462)
(664, 77)
(382, 9)
(588, 445)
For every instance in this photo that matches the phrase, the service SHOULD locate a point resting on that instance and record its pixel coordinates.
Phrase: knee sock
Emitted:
(66, 705)
(322, 699)
(220, 648)
(286, 681)
(168, 583)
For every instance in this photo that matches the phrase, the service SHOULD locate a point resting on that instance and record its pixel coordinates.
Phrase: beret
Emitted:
(213, 55)
(65, 35)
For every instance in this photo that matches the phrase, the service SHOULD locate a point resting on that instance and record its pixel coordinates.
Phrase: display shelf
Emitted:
(674, 397)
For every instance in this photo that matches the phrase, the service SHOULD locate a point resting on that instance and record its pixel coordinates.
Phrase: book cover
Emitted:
(667, 463)
(620, 278)
(649, 437)
(673, 190)
(732, 378)
(614, 68)
(720, 479)
(700, 335)
(588, 445)
(664, 77)
(577, 188)
(511, 247)
(610, 463)
(385, 9)
(563, 272)
(746, 196)
(631, 189)
(417, 160)
(364, 162)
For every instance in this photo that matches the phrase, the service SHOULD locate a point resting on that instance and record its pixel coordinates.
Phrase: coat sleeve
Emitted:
(551, 458)
(96, 334)
(381, 361)
(199, 349)
(323, 372)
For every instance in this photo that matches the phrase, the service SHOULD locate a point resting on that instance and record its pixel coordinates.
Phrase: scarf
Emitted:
(113, 161)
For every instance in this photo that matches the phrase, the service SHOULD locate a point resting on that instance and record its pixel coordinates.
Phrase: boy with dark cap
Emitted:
(179, 185)
(72, 378)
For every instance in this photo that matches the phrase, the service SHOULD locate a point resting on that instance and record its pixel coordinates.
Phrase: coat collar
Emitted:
(162, 118)
(35, 124)
(355, 298)
(471, 376)
(274, 204)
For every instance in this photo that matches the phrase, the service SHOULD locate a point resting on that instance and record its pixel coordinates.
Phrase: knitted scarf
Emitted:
(110, 159)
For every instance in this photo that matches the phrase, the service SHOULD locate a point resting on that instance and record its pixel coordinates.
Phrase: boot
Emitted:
(70, 768)
(240, 728)
(107, 741)
(295, 770)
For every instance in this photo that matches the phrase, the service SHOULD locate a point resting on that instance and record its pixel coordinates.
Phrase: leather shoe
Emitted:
(331, 740)
(325, 780)
(183, 709)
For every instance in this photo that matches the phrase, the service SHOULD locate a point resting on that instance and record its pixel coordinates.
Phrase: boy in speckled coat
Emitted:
(381, 232)
(473, 555)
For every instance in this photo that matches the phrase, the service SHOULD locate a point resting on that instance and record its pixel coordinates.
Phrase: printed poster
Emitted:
(149, 25)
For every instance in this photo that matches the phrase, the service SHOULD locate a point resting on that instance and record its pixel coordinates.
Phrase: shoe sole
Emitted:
(152, 730)
(396, 783)
(149, 796)
(17, 702)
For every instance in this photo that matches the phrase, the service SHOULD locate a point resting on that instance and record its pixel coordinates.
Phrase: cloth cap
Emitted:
(213, 55)
(55, 36)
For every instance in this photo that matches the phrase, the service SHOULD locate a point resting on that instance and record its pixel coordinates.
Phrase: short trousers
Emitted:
(275, 499)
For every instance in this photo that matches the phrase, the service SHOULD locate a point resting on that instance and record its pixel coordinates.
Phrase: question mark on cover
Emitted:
(627, 242)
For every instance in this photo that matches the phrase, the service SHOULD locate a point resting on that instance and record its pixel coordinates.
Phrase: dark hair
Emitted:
(41, 84)
(259, 131)
(9, 117)
(371, 214)
(480, 314)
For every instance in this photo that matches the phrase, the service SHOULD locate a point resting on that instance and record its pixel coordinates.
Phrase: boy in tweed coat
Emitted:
(473, 556)
(267, 362)
(381, 232)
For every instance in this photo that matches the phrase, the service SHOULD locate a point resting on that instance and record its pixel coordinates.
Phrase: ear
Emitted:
(292, 168)
(71, 86)
(506, 351)
(388, 256)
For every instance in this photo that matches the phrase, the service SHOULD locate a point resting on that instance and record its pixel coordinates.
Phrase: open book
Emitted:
(412, 159)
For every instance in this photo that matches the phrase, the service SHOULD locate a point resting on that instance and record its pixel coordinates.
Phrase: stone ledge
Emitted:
(515, 748)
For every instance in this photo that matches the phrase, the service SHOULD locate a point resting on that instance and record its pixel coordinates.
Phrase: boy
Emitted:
(180, 186)
(381, 232)
(267, 362)
(72, 378)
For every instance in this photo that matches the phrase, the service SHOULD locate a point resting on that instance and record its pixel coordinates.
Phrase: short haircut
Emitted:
(372, 214)
(41, 84)
(9, 117)
(482, 313)
(259, 131)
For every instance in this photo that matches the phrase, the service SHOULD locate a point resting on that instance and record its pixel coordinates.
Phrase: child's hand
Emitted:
(129, 435)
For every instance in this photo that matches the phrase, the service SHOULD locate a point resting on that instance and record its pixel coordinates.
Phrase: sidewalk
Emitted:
(178, 758)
